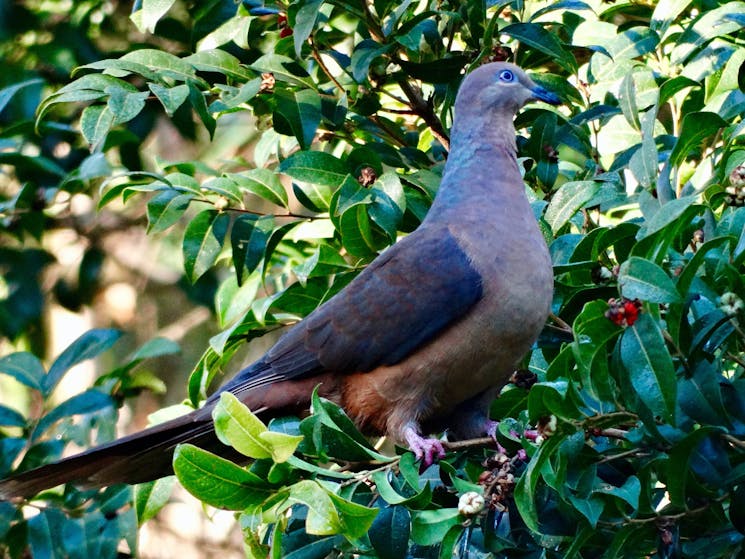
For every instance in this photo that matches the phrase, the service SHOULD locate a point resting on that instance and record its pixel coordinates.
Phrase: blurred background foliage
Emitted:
(202, 174)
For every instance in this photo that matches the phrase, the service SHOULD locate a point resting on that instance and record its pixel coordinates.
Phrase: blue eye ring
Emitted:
(506, 76)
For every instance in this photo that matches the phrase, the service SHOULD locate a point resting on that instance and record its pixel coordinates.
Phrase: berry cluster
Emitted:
(623, 312)
(736, 190)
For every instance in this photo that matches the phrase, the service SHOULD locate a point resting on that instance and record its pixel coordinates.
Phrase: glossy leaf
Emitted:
(151, 497)
(89, 345)
(650, 369)
(165, 209)
(203, 240)
(236, 426)
(642, 279)
(567, 201)
(24, 367)
(216, 481)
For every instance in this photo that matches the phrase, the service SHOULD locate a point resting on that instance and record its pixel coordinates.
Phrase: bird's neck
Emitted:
(482, 165)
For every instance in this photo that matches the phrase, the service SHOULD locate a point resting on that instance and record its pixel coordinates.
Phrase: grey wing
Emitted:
(402, 300)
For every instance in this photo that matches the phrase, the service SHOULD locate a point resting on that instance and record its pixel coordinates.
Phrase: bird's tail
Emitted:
(137, 458)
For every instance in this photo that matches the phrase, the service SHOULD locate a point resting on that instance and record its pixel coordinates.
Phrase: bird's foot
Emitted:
(425, 449)
(490, 428)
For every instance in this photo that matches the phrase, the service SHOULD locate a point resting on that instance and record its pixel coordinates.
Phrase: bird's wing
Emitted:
(409, 294)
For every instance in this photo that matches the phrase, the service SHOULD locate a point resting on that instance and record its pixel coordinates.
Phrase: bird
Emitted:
(420, 341)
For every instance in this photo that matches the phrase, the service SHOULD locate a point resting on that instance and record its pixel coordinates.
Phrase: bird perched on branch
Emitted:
(421, 340)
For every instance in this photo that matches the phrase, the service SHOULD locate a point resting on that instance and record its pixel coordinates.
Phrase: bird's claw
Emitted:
(427, 450)
(490, 428)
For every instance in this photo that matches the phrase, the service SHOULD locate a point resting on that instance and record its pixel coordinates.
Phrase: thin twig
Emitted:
(632, 452)
(456, 445)
(322, 65)
(736, 359)
(424, 111)
(560, 322)
(734, 441)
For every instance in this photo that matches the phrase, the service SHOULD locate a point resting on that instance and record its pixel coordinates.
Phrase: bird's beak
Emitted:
(541, 94)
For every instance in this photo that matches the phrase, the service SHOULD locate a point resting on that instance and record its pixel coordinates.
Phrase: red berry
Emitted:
(623, 312)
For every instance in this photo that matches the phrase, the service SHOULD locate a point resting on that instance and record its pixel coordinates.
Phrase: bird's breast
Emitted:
(480, 350)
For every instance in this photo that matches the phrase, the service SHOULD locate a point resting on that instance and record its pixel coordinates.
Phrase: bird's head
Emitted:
(503, 87)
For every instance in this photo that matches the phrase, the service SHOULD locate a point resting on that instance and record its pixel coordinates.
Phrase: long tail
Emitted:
(137, 458)
(148, 455)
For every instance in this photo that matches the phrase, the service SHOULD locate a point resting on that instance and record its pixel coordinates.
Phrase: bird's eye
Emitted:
(506, 76)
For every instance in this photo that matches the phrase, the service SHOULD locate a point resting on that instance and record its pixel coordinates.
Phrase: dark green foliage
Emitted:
(639, 404)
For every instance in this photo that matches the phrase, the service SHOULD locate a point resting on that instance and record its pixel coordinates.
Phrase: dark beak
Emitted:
(541, 94)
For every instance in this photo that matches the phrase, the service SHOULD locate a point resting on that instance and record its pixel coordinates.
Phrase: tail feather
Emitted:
(148, 455)
(136, 458)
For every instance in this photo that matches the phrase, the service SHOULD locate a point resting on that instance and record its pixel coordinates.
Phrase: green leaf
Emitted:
(11, 418)
(665, 13)
(90, 401)
(87, 88)
(343, 430)
(232, 97)
(249, 239)
(236, 426)
(166, 208)
(40, 537)
(165, 64)
(418, 500)
(220, 61)
(525, 489)
(355, 519)
(590, 507)
(322, 518)
(700, 395)
(357, 233)
(642, 279)
(125, 105)
(152, 11)
(89, 345)
(649, 366)
(170, 97)
(152, 496)
(389, 532)
(627, 101)
(696, 127)
(678, 463)
(95, 123)
(644, 162)
(554, 398)
(284, 69)
(199, 103)
(301, 111)
(233, 301)
(542, 39)
(216, 481)
(568, 200)
(670, 212)
(686, 278)
(429, 527)
(203, 241)
(711, 23)
(263, 183)
(305, 22)
(7, 93)
(25, 368)
(315, 167)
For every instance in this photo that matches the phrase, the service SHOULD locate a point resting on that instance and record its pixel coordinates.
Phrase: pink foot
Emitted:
(426, 450)
(490, 427)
